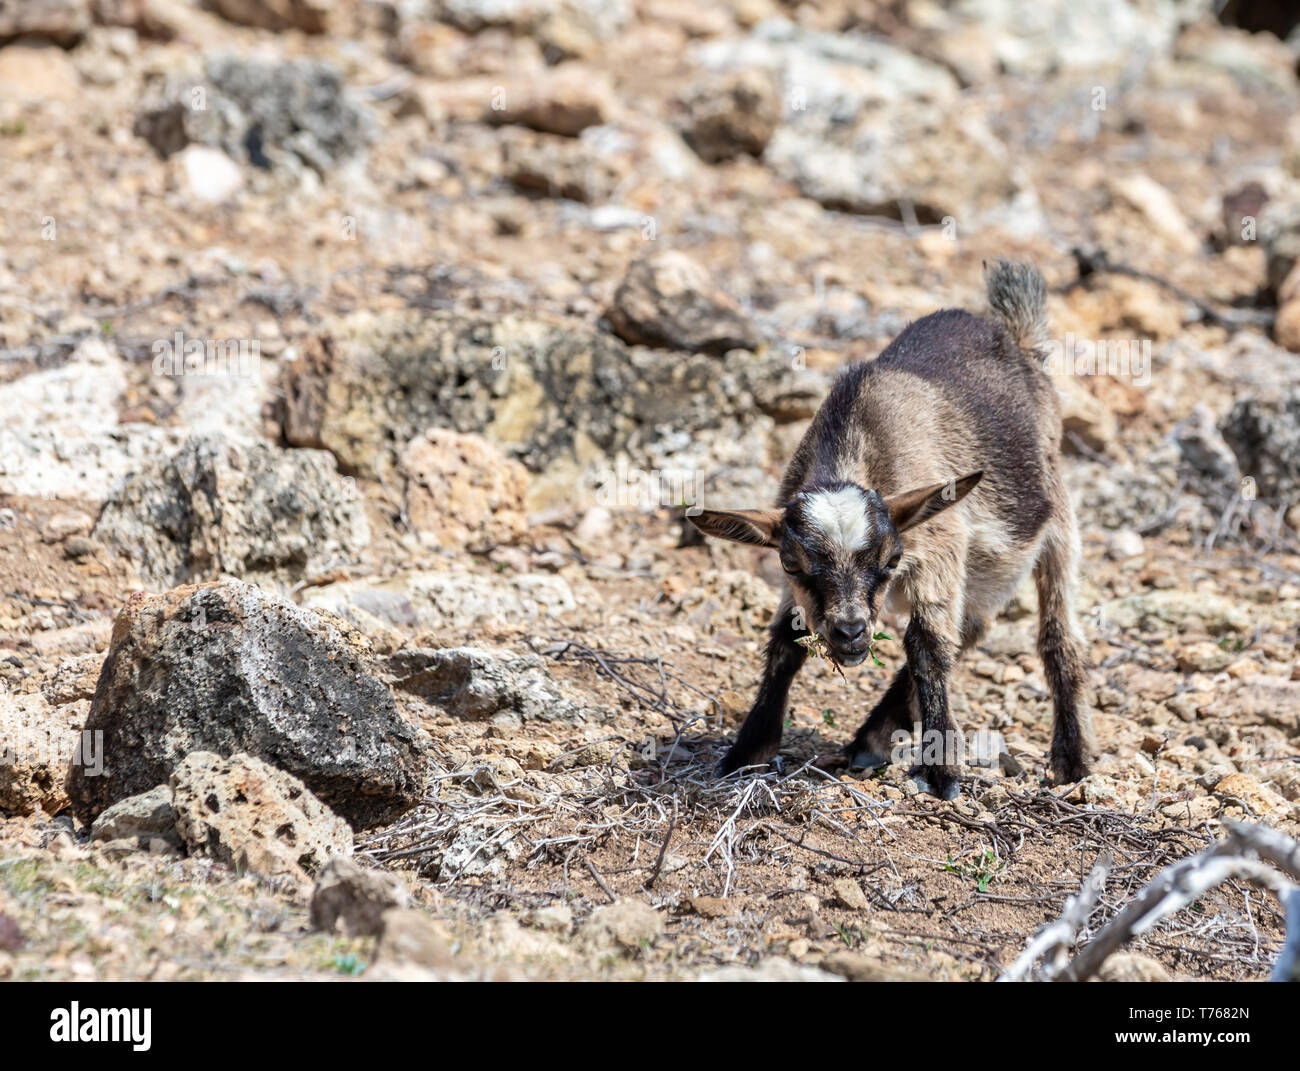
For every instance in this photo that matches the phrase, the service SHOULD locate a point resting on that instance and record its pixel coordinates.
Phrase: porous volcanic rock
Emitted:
(227, 668)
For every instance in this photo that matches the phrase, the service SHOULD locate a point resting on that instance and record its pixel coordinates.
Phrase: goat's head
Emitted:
(840, 546)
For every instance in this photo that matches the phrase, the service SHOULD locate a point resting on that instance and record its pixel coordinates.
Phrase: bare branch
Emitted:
(1059, 935)
(1235, 857)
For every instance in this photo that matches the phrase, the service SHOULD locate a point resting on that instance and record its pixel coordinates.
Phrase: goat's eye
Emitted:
(893, 562)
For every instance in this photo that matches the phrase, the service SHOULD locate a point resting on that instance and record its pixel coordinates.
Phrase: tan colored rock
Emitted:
(732, 114)
(1130, 967)
(1122, 306)
(139, 819)
(849, 893)
(61, 21)
(1156, 205)
(246, 813)
(38, 742)
(859, 967)
(462, 493)
(628, 924)
(1261, 800)
(1287, 326)
(709, 907)
(1242, 668)
(564, 100)
(1203, 657)
(158, 20)
(1084, 415)
(668, 299)
(554, 166)
(409, 936)
(309, 16)
(353, 899)
(36, 72)
(1177, 608)
(770, 969)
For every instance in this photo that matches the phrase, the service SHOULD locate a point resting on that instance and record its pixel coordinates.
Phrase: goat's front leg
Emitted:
(929, 656)
(760, 736)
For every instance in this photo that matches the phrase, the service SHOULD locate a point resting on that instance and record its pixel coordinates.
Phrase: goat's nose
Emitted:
(848, 631)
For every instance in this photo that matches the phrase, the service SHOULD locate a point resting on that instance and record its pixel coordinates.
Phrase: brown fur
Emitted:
(956, 412)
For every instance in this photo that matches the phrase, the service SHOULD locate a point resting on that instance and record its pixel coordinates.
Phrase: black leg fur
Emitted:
(760, 736)
(929, 659)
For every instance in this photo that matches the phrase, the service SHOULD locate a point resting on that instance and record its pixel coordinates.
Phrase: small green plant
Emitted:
(982, 871)
(347, 964)
(872, 648)
(828, 718)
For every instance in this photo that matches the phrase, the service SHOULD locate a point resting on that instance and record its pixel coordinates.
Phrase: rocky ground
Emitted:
(356, 356)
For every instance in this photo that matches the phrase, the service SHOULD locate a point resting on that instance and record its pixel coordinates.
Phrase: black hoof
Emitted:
(936, 781)
(1067, 769)
(733, 761)
(867, 760)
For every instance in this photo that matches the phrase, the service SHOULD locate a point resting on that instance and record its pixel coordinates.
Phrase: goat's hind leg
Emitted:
(760, 735)
(873, 742)
(1061, 650)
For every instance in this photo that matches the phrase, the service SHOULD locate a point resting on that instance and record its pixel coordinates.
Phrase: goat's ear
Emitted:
(911, 508)
(762, 527)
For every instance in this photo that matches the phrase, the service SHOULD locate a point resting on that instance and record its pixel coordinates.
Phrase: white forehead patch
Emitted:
(841, 516)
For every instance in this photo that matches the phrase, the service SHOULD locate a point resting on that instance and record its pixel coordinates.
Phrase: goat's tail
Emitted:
(1018, 294)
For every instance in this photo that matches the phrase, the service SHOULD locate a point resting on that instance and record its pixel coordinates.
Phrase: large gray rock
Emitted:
(1265, 437)
(452, 600)
(870, 128)
(829, 76)
(59, 432)
(267, 113)
(246, 813)
(1034, 37)
(228, 668)
(478, 685)
(217, 506)
(1202, 445)
(561, 397)
(941, 160)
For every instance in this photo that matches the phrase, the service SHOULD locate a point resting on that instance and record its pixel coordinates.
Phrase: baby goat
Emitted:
(956, 410)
